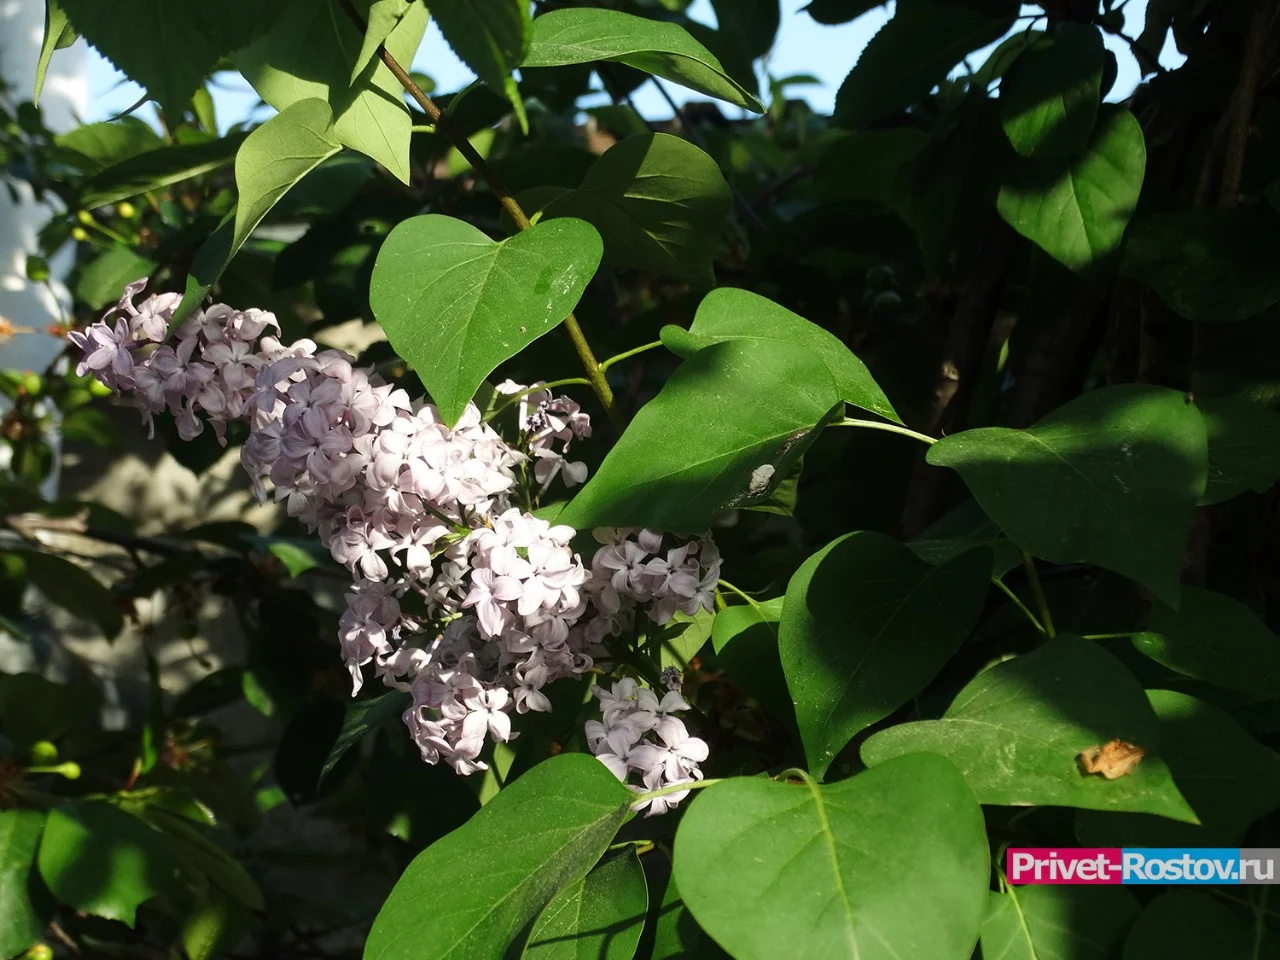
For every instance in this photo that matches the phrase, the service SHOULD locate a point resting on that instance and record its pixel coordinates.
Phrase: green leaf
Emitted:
(105, 278)
(727, 427)
(155, 169)
(1017, 729)
(663, 49)
(750, 24)
(535, 838)
(311, 53)
(1228, 777)
(913, 53)
(867, 624)
(275, 157)
(213, 927)
(598, 918)
(169, 48)
(676, 935)
(384, 16)
(1214, 638)
(1049, 98)
(55, 27)
(745, 639)
(659, 203)
(99, 145)
(1057, 923)
(733, 314)
(23, 913)
(1122, 466)
(441, 287)
(73, 589)
(197, 853)
(832, 12)
(33, 708)
(1077, 209)
(1209, 264)
(773, 869)
(272, 159)
(364, 716)
(1191, 925)
(491, 37)
(683, 636)
(97, 858)
(1244, 448)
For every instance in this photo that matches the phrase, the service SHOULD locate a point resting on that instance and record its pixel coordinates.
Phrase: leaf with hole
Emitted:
(1110, 478)
(1016, 730)
(665, 50)
(441, 288)
(866, 625)
(725, 429)
(774, 869)
(538, 836)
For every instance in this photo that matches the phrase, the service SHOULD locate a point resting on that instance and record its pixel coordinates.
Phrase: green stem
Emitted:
(1037, 591)
(446, 128)
(629, 353)
(887, 427)
(674, 788)
(744, 595)
(1017, 602)
(1109, 636)
(517, 397)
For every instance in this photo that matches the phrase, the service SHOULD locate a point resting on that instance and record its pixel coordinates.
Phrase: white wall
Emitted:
(65, 98)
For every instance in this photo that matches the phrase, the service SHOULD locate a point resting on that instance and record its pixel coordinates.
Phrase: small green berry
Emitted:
(43, 753)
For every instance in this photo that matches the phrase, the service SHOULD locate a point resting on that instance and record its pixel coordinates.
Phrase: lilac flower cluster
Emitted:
(460, 597)
(639, 734)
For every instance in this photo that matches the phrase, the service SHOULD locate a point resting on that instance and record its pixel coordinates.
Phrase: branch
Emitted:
(1243, 100)
(444, 125)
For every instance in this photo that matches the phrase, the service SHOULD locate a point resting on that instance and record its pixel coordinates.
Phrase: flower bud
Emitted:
(85, 217)
(80, 234)
(126, 210)
(41, 951)
(43, 753)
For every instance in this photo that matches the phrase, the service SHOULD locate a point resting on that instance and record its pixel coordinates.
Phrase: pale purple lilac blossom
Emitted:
(413, 507)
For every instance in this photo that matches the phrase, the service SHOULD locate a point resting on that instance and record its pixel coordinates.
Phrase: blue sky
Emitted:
(803, 47)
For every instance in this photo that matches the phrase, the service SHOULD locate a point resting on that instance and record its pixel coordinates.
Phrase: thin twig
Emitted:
(1243, 100)
(1037, 591)
(445, 126)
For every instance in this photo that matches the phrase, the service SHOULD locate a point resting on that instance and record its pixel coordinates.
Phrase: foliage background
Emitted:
(926, 226)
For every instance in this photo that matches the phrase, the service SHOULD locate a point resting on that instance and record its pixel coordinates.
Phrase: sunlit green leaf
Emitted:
(598, 918)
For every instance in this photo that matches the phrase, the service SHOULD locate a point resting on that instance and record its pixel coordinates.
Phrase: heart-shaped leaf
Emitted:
(1214, 638)
(867, 624)
(659, 203)
(1110, 478)
(663, 49)
(745, 639)
(1076, 209)
(1063, 922)
(456, 304)
(535, 838)
(733, 314)
(1228, 777)
(1017, 729)
(724, 431)
(599, 917)
(774, 869)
